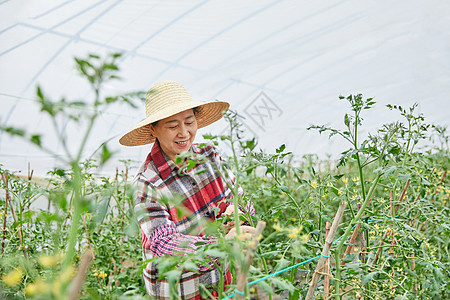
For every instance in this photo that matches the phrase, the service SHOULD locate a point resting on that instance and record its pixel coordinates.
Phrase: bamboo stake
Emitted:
(19, 229)
(402, 195)
(380, 248)
(413, 266)
(326, 282)
(325, 251)
(4, 219)
(391, 199)
(242, 278)
(88, 237)
(77, 282)
(355, 233)
(440, 182)
(363, 247)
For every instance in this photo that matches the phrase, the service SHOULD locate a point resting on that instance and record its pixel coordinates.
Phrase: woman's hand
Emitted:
(230, 210)
(246, 232)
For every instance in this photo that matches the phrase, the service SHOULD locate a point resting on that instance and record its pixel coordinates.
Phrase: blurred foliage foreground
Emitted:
(86, 244)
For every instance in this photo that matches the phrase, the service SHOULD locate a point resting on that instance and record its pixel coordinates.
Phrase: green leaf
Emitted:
(368, 278)
(215, 253)
(39, 93)
(36, 139)
(265, 287)
(347, 120)
(348, 258)
(390, 171)
(190, 266)
(283, 188)
(106, 154)
(14, 131)
(191, 165)
(282, 284)
(173, 276)
(281, 148)
(111, 99)
(281, 264)
(404, 177)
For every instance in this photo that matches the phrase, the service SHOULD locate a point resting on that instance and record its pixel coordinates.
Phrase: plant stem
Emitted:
(347, 232)
(289, 195)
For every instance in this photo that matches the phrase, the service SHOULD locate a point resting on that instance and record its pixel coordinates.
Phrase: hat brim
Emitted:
(209, 112)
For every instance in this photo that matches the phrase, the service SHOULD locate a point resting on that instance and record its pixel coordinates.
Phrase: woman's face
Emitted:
(176, 133)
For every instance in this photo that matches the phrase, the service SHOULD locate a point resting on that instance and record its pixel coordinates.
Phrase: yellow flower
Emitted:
(324, 196)
(31, 289)
(304, 238)
(102, 275)
(56, 288)
(293, 232)
(329, 184)
(95, 274)
(277, 227)
(314, 184)
(49, 261)
(39, 286)
(250, 243)
(355, 179)
(339, 192)
(14, 277)
(344, 180)
(68, 274)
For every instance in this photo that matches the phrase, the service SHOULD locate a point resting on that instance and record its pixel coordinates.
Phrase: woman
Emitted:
(172, 120)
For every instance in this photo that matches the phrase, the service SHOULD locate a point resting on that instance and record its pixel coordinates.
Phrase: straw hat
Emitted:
(165, 99)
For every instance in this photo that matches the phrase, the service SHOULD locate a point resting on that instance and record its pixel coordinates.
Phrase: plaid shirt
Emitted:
(164, 231)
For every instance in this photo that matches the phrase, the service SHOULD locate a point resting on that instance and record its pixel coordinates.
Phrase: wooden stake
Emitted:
(326, 282)
(380, 248)
(325, 251)
(413, 266)
(4, 216)
(19, 230)
(88, 237)
(242, 277)
(402, 195)
(355, 233)
(78, 281)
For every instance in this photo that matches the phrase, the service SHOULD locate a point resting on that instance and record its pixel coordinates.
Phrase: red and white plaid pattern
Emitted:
(164, 231)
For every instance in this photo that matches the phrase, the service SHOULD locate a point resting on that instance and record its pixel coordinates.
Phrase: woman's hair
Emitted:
(196, 110)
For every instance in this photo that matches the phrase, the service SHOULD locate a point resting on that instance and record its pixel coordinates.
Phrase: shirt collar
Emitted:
(162, 162)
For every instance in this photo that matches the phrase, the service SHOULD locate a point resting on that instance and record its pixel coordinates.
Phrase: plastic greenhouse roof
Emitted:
(281, 65)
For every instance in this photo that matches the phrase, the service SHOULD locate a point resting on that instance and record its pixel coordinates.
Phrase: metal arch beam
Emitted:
(58, 52)
(51, 28)
(351, 56)
(215, 36)
(311, 37)
(246, 49)
(168, 25)
(52, 9)
(102, 45)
